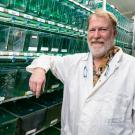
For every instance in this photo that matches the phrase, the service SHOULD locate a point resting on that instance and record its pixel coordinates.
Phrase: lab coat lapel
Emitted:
(110, 69)
(87, 74)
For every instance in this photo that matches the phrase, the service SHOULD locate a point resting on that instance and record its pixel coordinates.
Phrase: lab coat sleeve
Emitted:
(43, 62)
(57, 64)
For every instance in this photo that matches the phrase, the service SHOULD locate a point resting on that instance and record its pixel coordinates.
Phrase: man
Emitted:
(99, 86)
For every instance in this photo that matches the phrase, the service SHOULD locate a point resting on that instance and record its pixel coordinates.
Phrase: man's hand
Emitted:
(37, 80)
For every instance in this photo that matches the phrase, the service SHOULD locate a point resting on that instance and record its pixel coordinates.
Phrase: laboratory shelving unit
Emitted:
(28, 29)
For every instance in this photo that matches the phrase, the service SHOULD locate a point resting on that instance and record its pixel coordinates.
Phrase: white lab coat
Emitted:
(105, 109)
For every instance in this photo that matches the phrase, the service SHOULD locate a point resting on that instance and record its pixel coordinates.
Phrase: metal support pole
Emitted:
(133, 42)
(104, 5)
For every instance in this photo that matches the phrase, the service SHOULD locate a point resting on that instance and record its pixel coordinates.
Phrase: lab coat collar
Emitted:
(110, 69)
(115, 62)
(86, 57)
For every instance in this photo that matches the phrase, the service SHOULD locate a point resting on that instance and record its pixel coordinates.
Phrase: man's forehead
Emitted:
(99, 17)
(94, 20)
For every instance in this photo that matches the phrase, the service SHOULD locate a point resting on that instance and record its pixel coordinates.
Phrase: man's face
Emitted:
(100, 36)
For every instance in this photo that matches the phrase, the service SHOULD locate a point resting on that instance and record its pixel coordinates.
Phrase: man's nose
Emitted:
(96, 33)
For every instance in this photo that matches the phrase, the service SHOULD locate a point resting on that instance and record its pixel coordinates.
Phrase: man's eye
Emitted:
(103, 29)
(92, 30)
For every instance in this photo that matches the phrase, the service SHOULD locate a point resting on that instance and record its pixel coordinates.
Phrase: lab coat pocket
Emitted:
(121, 109)
(121, 123)
(119, 127)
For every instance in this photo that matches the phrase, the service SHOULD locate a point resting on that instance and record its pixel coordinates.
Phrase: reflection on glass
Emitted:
(7, 81)
(22, 82)
(32, 41)
(46, 8)
(16, 39)
(19, 5)
(4, 34)
(4, 3)
(45, 40)
(64, 48)
(72, 45)
(52, 83)
(14, 82)
(55, 43)
(7, 120)
(66, 13)
(56, 10)
(79, 46)
(33, 7)
(85, 46)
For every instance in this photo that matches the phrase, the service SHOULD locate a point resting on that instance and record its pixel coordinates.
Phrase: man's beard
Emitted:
(102, 51)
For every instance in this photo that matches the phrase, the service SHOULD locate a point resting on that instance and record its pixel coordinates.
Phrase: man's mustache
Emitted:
(97, 41)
